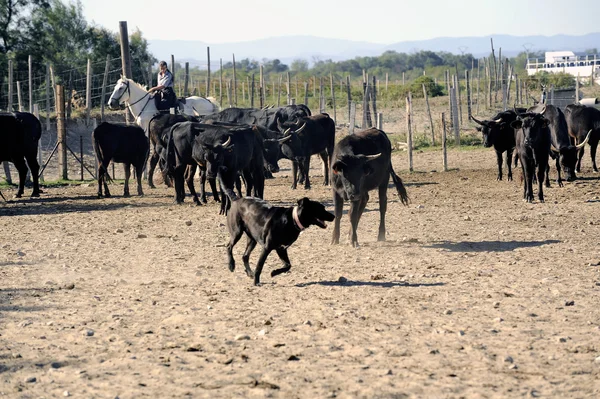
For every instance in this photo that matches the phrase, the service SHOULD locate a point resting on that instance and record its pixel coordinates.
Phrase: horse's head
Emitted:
(120, 93)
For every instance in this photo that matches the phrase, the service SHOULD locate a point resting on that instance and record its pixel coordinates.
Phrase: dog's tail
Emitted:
(399, 186)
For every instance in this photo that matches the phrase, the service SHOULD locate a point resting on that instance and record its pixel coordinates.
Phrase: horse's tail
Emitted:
(399, 186)
(215, 103)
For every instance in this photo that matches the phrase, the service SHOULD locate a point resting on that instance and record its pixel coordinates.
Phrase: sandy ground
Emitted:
(474, 294)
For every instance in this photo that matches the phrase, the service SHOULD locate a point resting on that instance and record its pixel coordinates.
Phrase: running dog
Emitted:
(274, 227)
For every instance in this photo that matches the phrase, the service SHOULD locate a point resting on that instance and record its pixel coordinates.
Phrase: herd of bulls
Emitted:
(237, 145)
(539, 133)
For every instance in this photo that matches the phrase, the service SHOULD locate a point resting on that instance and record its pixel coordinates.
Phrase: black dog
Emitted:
(274, 227)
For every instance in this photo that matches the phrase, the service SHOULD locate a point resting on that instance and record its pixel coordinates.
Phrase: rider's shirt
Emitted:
(165, 79)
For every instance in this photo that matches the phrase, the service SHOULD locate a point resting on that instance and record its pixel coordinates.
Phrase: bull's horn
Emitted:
(543, 110)
(280, 126)
(477, 121)
(297, 123)
(580, 146)
(372, 157)
(553, 148)
(226, 143)
(301, 128)
(287, 131)
(286, 138)
(498, 120)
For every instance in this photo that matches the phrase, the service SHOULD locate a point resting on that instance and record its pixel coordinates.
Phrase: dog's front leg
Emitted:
(283, 255)
(260, 264)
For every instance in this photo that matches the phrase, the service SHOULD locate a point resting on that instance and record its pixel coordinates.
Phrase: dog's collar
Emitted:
(297, 219)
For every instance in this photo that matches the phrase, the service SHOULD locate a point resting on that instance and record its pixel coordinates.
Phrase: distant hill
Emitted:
(310, 48)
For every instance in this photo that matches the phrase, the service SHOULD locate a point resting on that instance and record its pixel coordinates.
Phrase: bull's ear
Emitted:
(478, 128)
(337, 166)
(230, 148)
(516, 124)
(544, 123)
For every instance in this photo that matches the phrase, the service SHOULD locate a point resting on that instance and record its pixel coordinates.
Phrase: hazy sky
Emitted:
(374, 21)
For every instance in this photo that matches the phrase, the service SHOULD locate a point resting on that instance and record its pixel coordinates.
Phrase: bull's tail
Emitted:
(399, 186)
(170, 155)
(100, 156)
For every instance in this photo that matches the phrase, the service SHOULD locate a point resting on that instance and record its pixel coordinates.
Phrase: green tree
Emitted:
(299, 65)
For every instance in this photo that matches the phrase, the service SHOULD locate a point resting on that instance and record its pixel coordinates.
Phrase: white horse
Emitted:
(142, 106)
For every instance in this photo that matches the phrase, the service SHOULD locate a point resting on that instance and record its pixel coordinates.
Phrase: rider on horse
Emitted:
(165, 98)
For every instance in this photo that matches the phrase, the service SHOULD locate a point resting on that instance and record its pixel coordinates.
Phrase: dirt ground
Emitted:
(474, 294)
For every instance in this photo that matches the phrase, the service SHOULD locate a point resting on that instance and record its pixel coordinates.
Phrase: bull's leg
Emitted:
(34, 167)
(235, 233)
(104, 183)
(259, 182)
(238, 184)
(325, 159)
(559, 179)
(246, 257)
(153, 162)
(248, 178)
(260, 264)
(499, 160)
(213, 186)
(354, 219)
(178, 180)
(593, 148)
(547, 174)
(203, 184)
(509, 155)
(579, 157)
(22, 169)
(139, 170)
(529, 173)
(294, 173)
(283, 255)
(542, 169)
(382, 210)
(127, 169)
(338, 204)
(190, 171)
(100, 178)
(306, 168)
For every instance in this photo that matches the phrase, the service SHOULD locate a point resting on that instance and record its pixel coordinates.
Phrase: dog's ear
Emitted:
(303, 202)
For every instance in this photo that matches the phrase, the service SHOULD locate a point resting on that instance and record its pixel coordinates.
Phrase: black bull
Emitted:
(19, 136)
(361, 163)
(121, 144)
(228, 152)
(584, 122)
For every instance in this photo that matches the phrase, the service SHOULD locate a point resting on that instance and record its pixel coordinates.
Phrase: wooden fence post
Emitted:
(374, 96)
(125, 60)
(208, 75)
(279, 90)
(429, 114)
(261, 88)
(352, 117)
(349, 92)
(289, 94)
(186, 81)
(104, 82)
(333, 96)
(30, 84)
(235, 102)
(380, 120)
(220, 82)
(455, 123)
(409, 137)
(88, 92)
(305, 94)
(61, 131)
(468, 94)
(48, 97)
(444, 153)
(7, 172)
(19, 100)
(252, 93)
(36, 112)
(10, 86)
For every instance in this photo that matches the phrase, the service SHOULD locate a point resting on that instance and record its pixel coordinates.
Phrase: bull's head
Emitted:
(354, 170)
(490, 129)
(568, 157)
(215, 156)
(533, 126)
(271, 152)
